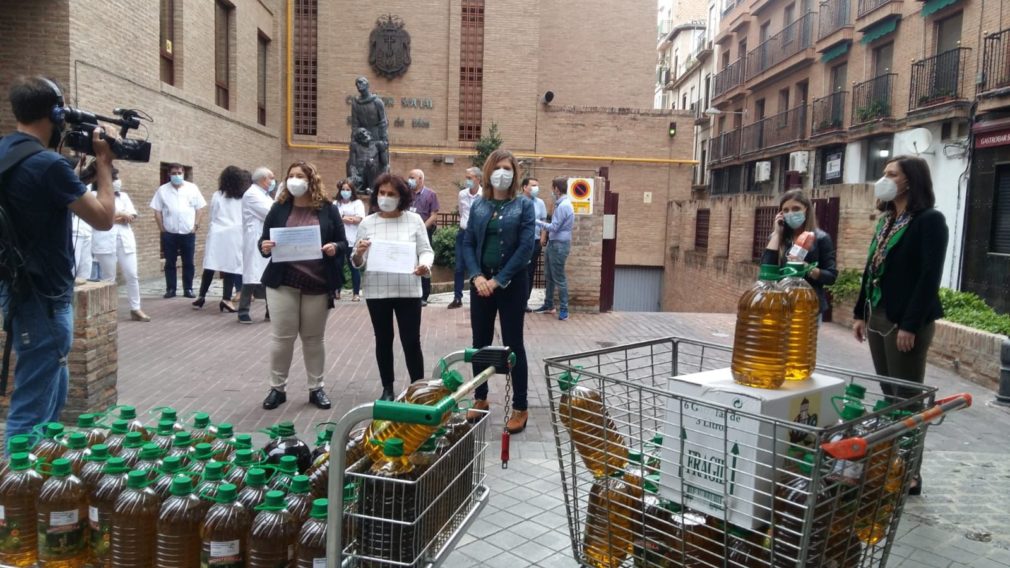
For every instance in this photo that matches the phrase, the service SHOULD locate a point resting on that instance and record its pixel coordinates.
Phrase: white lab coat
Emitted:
(224, 239)
(255, 206)
(107, 242)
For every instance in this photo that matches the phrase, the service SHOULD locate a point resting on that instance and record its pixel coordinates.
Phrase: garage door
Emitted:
(637, 288)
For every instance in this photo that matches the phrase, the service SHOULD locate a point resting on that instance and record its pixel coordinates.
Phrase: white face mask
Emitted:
(535, 191)
(388, 204)
(885, 189)
(501, 179)
(117, 185)
(297, 186)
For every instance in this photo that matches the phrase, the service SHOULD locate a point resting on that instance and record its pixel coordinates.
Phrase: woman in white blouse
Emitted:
(224, 239)
(119, 246)
(352, 212)
(389, 294)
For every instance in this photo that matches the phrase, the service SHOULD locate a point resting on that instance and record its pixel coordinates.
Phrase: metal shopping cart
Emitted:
(420, 519)
(692, 482)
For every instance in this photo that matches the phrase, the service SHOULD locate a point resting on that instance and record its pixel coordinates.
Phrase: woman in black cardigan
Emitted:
(796, 216)
(300, 293)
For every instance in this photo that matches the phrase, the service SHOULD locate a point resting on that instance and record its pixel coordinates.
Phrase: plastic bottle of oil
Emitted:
(241, 461)
(164, 434)
(255, 490)
(287, 443)
(179, 527)
(323, 439)
(299, 499)
(149, 459)
(77, 451)
(170, 468)
(135, 524)
(801, 347)
(19, 489)
(635, 472)
(210, 483)
(87, 424)
(658, 540)
(20, 444)
(169, 414)
(117, 437)
(311, 549)
(273, 535)
(62, 516)
(383, 500)
(224, 442)
(225, 530)
(608, 538)
(243, 441)
(762, 326)
(94, 463)
(129, 413)
(201, 456)
(285, 470)
(847, 472)
(843, 549)
(49, 446)
(201, 429)
(133, 444)
(595, 435)
(182, 446)
(427, 392)
(101, 504)
(424, 457)
(349, 526)
(793, 495)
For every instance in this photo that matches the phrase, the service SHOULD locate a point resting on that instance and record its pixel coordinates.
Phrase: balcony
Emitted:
(996, 61)
(728, 78)
(834, 15)
(724, 147)
(793, 39)
(939, 79)
(776, 130)
(829, 113)
(872, 100)
(867, 6)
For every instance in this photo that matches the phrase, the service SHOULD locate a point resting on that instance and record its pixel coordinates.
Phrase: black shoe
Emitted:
(244, 318)
(267, 317)
(169, 294)
(456, 303)
(274, 399)
(319, 398)
(387, 393)
(915, 487)
(424, 303)
(198, 303)
(189, 294)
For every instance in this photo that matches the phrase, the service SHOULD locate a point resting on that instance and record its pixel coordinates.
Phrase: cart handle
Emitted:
(502, 358)
(855, 447)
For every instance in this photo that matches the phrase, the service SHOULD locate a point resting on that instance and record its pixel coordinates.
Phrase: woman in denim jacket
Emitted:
(497, 247)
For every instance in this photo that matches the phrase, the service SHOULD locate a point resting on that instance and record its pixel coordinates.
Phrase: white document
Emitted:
(392, 256)
(296, 243)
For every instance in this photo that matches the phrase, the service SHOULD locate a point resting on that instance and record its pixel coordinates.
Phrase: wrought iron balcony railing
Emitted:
(726, 146)
(731, 76)
(872, 100)
(833, 16)
(939, 79)
(775, 130)
(793, 38)
(829, 113)
(996, 61)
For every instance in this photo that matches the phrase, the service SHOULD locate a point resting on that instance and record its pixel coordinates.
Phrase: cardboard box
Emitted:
(724, 460)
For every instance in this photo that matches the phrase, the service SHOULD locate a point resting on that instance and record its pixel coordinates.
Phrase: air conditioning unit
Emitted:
(798, 162)
(762, 171)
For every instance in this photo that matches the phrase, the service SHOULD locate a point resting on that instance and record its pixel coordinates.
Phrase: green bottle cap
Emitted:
(320, 506)
(169, 413)
(769, 272)
(635, 456)
(182, 440)
(133, 440)
(19, 443)
(182, 485)
(881, 405)
(120, 427)
(53, 429)
(241, 440)
(566, 381)
(61, 467)
(99, 453)
(393, 448)
(127, 412)
(213, 472)
(350, 491)
(136, 479)
(855, 390)
(115, 466)
(452, 380)
(86, 421)
(77, 441)
(852, 410)
(441, 432)
(285, 429)
(172, 464)
(657, 439)
(204, 451)
(201, 420)
(150, 451)
(274, 501)
(227, 493)
(256, 477)
(243, 457)
(166, 427)
(288, 465)
(428, 445)
(651, 483)
(299, 484)
(225, 431)
(20, 461)
(807, 465)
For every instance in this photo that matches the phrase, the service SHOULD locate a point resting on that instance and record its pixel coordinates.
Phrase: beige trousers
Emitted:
(293, 314)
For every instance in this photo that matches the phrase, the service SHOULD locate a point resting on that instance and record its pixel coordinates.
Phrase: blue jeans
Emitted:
(43, 331)
(457, 280)
(554, 267)
(175, 246)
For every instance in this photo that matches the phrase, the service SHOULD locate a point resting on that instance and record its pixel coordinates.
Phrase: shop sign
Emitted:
(992, 139)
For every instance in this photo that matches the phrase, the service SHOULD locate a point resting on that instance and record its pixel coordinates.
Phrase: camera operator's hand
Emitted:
(103, 151)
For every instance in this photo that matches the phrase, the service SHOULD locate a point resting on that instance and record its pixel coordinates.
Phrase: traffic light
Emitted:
(673, 129)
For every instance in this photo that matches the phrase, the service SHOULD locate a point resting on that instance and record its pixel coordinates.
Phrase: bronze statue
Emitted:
(371, 150)
(367, 161)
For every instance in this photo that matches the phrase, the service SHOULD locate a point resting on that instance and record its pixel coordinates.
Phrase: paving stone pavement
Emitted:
(204, 360)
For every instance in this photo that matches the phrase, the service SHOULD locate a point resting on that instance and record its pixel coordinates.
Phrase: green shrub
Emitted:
(846, 286)
(444, 243)
(968, 309)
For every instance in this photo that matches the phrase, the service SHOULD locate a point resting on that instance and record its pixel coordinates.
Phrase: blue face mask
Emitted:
(177, 179)
(412, 183)
(345, 193)
(795, 219)
(273, 186)
(468, 184)
(535, 191)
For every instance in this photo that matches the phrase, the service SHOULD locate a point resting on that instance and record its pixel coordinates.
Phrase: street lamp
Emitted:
(712, 111)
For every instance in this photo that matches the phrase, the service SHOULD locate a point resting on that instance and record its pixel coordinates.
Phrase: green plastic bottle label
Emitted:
(61, 536)
(222, 554)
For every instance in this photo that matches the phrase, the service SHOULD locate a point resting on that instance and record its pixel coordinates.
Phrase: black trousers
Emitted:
(508, 305)
(231, 282)
(175, 246)
(408, 320)
(532, 269)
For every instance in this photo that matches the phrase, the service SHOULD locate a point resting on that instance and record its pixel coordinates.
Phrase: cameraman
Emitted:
(38, 194)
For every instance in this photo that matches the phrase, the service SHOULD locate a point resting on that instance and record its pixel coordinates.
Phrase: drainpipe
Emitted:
(1003, 394)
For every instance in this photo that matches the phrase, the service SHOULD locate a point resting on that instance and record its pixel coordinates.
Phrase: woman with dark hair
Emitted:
(224, 238)
(352, 212)
(497, 248)
(390, 294)
(899, 297)
(796, 216)
(300, 293)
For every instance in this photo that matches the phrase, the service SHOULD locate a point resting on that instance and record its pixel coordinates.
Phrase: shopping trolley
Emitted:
(825, 494)
(422, 518)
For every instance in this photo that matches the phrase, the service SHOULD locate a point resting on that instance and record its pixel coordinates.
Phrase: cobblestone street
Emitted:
(204, 360)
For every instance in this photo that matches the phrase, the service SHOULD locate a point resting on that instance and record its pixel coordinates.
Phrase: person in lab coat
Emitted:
(223, 252)
(119, 246)
(256, 203)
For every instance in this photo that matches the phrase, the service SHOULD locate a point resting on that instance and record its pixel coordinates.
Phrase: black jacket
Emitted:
(331, 230)
(823, 254)
(912, 272)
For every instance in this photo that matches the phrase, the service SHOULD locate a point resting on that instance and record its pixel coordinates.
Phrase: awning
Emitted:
(879, 30)
(835, 52)
(931, 7)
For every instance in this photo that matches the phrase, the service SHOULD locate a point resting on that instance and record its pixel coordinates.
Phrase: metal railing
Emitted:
(873, 99)
(834, 15)
(939, 79)
(725, 146)
(867, 6)
(728, 78)
(793, 38)
(699, 43)
(776, 130)
(829, 113)
(996, 61)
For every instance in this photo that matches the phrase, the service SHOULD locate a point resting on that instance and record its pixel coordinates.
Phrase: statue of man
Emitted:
(368, 113)
(367, 159)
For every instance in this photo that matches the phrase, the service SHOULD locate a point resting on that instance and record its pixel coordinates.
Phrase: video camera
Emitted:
(83, 123)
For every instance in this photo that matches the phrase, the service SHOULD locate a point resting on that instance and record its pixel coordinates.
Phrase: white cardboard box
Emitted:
(714, 461)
